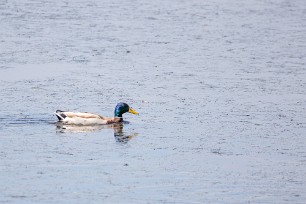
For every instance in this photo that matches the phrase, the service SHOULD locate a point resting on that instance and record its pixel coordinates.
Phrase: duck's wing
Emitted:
(82, 115)
(61, 115)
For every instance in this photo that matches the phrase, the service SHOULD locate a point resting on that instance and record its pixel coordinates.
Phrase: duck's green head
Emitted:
(123, 108)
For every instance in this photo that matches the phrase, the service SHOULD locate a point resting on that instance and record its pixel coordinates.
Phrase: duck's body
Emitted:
(83, 118)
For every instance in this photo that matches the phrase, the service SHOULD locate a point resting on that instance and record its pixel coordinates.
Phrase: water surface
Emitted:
(220, 87)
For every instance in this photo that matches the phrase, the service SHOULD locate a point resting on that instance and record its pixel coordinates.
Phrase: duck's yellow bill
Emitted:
(133, 111)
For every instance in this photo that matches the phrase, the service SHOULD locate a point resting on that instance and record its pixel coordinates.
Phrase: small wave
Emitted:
(25, 120)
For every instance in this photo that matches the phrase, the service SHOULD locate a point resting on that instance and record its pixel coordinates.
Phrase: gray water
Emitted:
(220, 87)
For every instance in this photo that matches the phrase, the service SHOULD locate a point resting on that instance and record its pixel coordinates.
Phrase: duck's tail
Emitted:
(60, 115)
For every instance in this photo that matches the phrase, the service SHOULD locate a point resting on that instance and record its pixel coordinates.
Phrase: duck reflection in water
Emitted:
(119, 134)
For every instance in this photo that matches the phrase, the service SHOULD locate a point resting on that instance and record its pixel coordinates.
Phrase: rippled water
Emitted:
(220, 87)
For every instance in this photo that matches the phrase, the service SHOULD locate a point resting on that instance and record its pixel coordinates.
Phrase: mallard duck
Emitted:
(79, 118)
